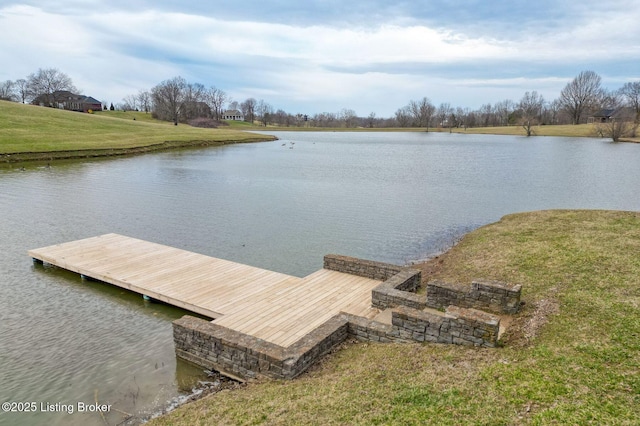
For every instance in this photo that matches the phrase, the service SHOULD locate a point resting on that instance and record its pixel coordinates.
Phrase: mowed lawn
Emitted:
(571, 357)
(28, 128)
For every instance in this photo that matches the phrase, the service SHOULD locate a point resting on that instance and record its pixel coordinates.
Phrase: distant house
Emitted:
(233, 114)
(612, 114)
(64, 99)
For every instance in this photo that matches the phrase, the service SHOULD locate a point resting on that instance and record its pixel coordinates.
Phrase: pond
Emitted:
(392, 197)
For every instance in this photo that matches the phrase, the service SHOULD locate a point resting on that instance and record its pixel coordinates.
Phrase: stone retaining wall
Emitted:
(360, 267)
(489, 295)
(456, 325)
(399, 283)
(245, 357)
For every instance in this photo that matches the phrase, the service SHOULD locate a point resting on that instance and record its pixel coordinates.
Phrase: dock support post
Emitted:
(38, 261)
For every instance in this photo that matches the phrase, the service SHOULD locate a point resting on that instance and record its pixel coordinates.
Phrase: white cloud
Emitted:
(380, 67)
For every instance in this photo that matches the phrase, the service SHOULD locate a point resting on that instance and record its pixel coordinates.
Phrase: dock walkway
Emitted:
(272, 306)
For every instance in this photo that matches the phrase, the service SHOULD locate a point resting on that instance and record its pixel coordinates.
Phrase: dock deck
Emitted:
(272, 306)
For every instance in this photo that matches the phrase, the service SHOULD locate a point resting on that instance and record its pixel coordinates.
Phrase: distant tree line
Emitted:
(180, 101)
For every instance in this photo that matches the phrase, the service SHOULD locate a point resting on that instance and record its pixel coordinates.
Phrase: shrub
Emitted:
(208, 123)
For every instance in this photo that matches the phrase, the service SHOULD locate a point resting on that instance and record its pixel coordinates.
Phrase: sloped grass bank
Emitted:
(36, 133)
(572, 356)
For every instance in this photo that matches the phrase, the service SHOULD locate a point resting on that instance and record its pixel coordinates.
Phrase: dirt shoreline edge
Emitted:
(114, 152)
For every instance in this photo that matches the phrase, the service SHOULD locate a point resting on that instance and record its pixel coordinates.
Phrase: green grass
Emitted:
(572, 356)
(33, 129)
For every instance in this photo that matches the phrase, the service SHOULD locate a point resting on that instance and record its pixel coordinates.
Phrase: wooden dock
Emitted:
(276, 307)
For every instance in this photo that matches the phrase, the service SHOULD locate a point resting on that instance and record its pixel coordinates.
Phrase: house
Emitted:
(608, 115)
(64, 99)
(233, 114)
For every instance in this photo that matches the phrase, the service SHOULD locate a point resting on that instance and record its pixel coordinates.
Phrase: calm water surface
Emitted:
(393, 197)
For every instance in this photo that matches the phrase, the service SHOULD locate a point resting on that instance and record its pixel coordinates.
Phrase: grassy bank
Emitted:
(572, 356)
(565, 130)
(36, 133)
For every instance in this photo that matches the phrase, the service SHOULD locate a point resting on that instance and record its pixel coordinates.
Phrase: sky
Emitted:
(323, 56)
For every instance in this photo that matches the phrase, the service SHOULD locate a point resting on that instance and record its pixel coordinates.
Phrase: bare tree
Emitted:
(284, 119)
(443, 113)
(403, 116)
(371, 120)
(194, 103)
(144, 100)
(631, 93)
(248, 108)
(422, 112)
(129, 103)
(581, 95)
(7, 91)
(264, 112)
(348, 117)
(43, 85)
(168, 99)
(487, 116)
(620, 124)
(22, 89)
(530, 111)
(216, 98)
(503, 111)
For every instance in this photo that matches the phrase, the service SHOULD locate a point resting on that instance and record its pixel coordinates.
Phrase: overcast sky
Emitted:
(315, 56)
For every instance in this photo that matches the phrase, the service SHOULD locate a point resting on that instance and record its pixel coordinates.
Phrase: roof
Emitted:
(90, 100)
(626, 112)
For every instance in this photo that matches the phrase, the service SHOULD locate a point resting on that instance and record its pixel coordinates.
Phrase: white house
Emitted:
(233, 114)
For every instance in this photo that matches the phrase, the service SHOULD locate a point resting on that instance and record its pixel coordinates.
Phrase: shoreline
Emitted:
(17, 157)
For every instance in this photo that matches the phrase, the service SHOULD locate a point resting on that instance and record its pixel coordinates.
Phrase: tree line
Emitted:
(178, 100)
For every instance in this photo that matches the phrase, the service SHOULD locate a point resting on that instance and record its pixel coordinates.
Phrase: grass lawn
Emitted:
(33, 129)
(572, 356)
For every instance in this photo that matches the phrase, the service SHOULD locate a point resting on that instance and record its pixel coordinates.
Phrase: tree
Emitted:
(248, 108)
(371, 120)
(631, 93)
(144, 100)
(422, 112)
(348, 117)
(6, 91)
(581, 95)
(443, 113)
(43, 85)
(530, 111)
(503, 111)
(403, 116)
(22, 89)
(168, 98)
(216, 98)
(622, 122)
(264, 111)
(130, 103)
(193, 104)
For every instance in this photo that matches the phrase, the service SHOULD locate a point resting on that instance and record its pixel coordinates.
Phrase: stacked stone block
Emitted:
(488, 295)
(245, 357)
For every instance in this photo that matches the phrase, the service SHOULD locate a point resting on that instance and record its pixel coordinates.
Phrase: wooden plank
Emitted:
(277, 307)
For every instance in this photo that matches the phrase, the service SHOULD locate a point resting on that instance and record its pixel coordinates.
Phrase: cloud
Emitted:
(368, 56)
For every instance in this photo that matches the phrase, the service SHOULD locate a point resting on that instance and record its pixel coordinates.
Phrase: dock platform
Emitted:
(268, 305)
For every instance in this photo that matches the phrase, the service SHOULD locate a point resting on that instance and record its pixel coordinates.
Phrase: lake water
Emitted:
(393, 197)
